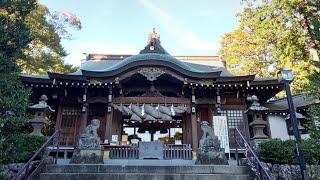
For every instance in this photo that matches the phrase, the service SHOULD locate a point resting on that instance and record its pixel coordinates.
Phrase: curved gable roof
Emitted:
(149, 59)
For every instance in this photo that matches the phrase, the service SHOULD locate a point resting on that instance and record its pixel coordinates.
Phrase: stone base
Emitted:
(87, 156)
(205, 157)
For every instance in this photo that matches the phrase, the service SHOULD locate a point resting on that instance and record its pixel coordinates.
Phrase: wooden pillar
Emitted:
(59, 118)
(194, 129)
(84, 119)
(108, 132)
(210, 115)
(84, 111)
(187, 130)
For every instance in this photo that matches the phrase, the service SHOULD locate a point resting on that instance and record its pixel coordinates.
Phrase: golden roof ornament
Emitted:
(152, 37)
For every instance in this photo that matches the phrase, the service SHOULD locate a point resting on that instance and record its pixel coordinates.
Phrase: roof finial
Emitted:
(152, 37)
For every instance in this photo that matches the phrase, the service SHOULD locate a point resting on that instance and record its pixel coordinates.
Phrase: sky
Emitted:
(186, 27)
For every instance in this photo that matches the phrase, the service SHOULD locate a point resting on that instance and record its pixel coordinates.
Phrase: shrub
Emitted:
(276, 151)
(311, 149)
(19, 147)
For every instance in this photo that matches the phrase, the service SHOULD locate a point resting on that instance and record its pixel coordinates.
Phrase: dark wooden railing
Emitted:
(126, 152)
(170, 151)
(251, 158)
(26, 167)
(177, 151)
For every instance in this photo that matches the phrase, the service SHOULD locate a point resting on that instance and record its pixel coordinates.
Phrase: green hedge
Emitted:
(19, 147)
(284, 152)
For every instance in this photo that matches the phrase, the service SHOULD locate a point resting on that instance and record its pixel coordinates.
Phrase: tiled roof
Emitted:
(299, 100)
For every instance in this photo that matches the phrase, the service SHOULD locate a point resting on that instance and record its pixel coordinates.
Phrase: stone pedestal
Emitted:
(87, 156)
(89, 151)
(211, 156)
(37, 125)
(258, 125)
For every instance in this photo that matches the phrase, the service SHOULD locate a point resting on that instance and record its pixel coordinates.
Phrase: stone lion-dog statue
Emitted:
(91, 129)
(207, 131)
(209, 139)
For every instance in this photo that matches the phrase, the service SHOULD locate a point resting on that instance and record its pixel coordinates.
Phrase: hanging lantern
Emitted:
(163, 131)
(141, 130)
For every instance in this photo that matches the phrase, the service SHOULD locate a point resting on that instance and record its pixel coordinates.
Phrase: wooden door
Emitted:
(69, 126)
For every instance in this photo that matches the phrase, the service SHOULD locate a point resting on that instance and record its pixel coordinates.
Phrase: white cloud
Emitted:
(186, 38)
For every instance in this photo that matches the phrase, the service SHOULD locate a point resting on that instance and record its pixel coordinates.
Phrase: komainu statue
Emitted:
(209, 139)
(89, 150)
(91, 129)
(209, 151)
(207, 131)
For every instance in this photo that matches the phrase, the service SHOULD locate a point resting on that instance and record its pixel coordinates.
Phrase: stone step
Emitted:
(198, 169)
(140, 176)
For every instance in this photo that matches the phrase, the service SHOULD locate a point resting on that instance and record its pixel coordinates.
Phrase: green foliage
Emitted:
(14, 100)
(15, 35)
(277, 151)
(45, 52)
(274, 35)
(19, 147)
(284, 152)
(314, 125)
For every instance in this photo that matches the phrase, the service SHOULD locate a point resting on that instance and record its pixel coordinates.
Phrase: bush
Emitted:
(276, 151)
(20, 147)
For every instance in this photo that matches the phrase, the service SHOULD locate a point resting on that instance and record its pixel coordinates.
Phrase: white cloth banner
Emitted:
(220, 128)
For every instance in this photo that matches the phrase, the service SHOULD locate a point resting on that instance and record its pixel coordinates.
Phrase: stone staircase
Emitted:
(144, 172)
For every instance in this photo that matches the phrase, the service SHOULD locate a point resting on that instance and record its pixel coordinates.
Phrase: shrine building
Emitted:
(152, 96)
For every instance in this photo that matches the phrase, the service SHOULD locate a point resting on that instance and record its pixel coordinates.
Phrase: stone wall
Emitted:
(290, 172)
(8, 171)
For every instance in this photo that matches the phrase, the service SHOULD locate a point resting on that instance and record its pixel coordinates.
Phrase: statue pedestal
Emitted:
(88, 151)
(209, 155)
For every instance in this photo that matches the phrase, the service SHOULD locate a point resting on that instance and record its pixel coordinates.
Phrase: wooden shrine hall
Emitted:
(148, 97)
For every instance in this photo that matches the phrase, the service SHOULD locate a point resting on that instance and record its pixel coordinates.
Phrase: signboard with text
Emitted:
(220, 127)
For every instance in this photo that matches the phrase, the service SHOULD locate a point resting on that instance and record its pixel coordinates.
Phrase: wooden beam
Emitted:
(147, 100)
(205, 101)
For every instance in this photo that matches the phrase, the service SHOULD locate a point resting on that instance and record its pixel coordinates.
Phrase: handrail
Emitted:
(26, 166)
(261, 173)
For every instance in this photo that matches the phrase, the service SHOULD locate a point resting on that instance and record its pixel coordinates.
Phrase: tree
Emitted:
(314, 111)
(287, 35)
(45, 52)
(245, 52)
(15, 37)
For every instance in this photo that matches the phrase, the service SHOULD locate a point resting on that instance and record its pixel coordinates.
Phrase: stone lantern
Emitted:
(258, 124)
(299, 118)
(40, 112)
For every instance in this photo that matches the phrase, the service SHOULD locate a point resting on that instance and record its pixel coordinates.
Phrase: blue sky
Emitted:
(121, 26)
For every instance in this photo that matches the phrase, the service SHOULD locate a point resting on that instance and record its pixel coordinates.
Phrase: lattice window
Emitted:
(69, 117)
(235, 118)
